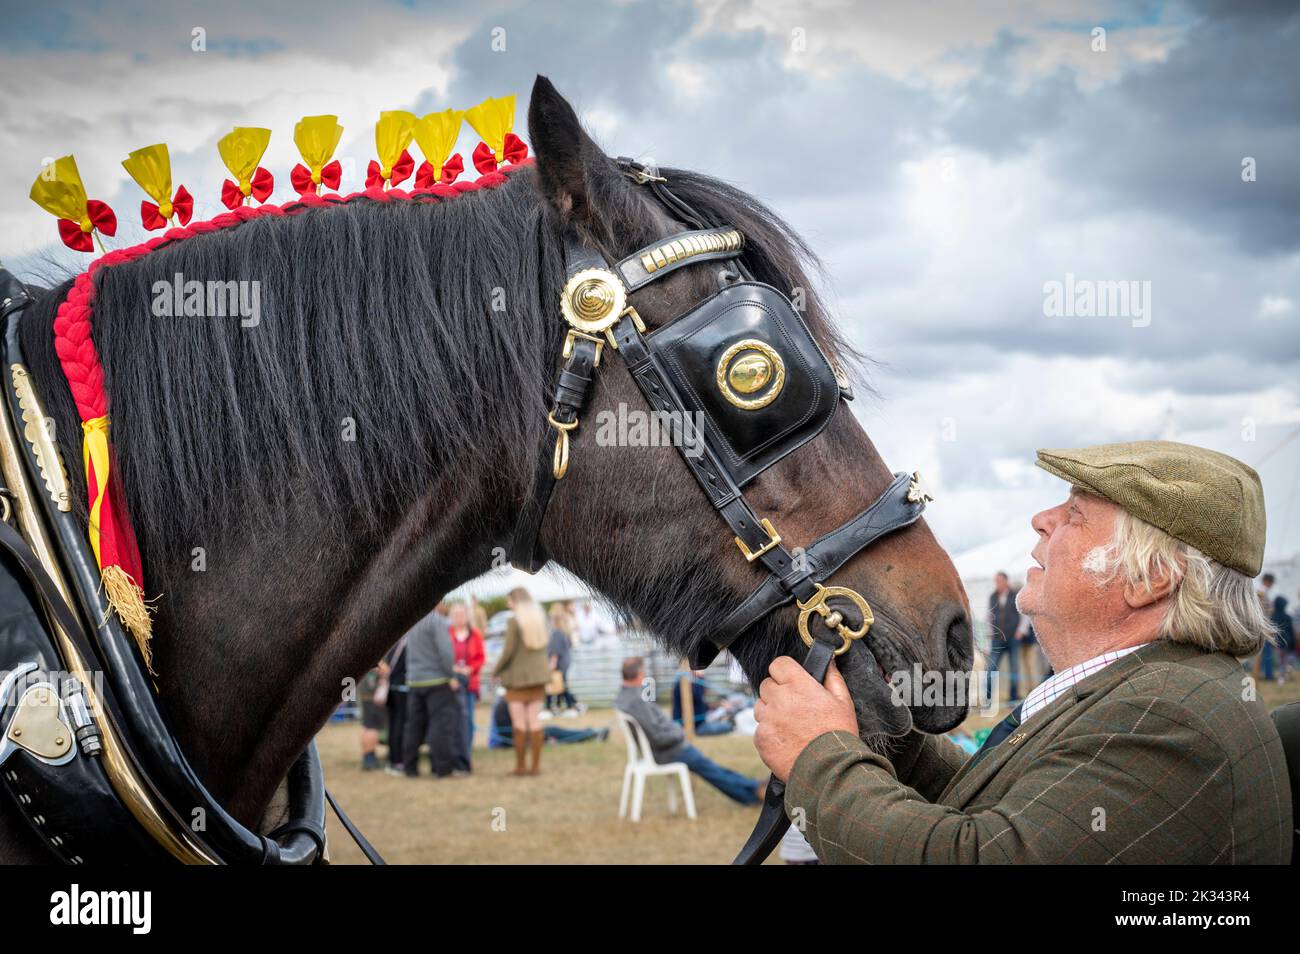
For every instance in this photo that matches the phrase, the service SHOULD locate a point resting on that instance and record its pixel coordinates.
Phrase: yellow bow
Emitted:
(241, 150)
(58, 190)
(316, 138)
(436, 135)
(393, 134)
(492, 119)
(151, 168)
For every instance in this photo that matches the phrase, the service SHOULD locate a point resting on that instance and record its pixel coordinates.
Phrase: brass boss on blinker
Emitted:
(748, 367)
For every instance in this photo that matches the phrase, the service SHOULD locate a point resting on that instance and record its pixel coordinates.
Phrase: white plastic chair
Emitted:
(641, 765)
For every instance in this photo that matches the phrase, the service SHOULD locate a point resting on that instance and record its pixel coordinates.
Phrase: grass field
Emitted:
(567, 815)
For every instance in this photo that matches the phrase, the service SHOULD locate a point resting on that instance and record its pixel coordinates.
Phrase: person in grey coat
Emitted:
(433, 697)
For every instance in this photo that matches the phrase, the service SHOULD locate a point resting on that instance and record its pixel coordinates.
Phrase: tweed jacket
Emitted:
(1159, 758)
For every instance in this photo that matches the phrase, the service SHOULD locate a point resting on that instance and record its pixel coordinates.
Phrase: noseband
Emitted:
(744, 364)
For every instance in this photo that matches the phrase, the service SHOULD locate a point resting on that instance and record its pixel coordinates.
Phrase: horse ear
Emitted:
(576, 176)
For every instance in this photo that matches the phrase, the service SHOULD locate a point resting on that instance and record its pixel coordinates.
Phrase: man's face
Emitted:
(1059, 593)
(1000, 582)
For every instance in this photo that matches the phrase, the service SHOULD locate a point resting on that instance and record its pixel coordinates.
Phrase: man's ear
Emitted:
(1162, 584)
(577, 178)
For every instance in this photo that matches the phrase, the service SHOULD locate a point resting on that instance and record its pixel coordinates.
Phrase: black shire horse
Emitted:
(305, 489)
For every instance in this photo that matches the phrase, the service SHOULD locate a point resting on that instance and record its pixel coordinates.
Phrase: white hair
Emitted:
(1211, 606)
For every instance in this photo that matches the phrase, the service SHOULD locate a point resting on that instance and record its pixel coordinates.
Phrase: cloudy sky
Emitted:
(948, 161)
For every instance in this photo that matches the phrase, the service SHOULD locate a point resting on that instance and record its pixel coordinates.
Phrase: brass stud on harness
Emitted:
(834, 619)
(917, 492)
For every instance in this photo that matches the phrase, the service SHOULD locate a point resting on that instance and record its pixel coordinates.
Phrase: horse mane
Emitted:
(410, 319)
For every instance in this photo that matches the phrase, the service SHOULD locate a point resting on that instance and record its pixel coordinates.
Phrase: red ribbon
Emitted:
(401, 170)
(232, 194)
(182, 208)
(452, 168)
(262, 184)
(101, 218)
(514, 150)
(300, 178)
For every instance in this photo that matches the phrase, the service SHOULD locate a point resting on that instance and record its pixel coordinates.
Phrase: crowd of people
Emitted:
(426, 689)
(1014, 646)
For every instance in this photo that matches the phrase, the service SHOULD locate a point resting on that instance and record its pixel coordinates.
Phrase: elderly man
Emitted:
(1146, 746)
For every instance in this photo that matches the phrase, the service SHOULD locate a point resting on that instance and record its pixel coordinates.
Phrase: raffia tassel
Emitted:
(128, 602)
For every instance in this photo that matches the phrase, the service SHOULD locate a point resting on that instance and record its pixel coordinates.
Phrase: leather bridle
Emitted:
(595, 304)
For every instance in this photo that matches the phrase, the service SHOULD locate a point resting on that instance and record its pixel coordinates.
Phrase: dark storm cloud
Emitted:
(1168, 136)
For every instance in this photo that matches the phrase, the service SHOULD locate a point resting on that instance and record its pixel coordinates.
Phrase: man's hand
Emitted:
(792, 710)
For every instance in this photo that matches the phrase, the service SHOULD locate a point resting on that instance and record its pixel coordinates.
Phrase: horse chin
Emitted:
(897, 654)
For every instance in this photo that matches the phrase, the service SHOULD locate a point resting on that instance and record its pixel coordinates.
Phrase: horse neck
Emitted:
(249, 679)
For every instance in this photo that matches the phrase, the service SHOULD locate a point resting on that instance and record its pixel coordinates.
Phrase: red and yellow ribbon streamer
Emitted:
(436, 135)
(151, 168)
(58, 190)
(241, 150)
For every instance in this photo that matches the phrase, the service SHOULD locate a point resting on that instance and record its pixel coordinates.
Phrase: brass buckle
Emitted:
(773, 539)
(641, 176)
(560, 459)
(632, 313)
(575, 333)
(833, 618)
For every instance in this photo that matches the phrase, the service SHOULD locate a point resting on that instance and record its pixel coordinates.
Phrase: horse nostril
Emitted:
(950, 633)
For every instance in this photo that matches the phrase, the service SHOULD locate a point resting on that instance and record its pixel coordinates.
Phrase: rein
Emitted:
(746, 364)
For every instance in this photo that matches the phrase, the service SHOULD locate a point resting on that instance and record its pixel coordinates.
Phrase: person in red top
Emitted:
(467, 643)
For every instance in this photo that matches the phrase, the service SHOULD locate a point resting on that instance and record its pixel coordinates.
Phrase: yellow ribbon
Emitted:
(94, 451)
(436, 135)
(492, 119)
(241, 150)
(392, 135)
(151, 168)
(316, 138)
(58, 190)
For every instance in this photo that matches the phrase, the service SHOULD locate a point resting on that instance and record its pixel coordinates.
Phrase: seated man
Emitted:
(716, 720)
(668, 740)
(501, 732)
(1147, 745)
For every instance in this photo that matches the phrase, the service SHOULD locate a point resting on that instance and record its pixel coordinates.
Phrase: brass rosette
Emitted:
(593, 300)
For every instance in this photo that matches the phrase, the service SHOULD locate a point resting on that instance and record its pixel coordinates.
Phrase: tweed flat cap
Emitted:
(1206, 499)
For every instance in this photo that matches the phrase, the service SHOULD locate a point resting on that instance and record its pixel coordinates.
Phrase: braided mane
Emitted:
(73, 325)
(174, 455)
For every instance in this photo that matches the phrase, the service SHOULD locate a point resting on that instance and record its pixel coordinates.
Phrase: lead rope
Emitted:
(773, 822)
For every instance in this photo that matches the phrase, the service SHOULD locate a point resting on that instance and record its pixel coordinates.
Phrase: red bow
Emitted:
(330, 176)
(514, 150)
(182, 208)
(452, 168)
(101, 218)
(400, 171)
(232, 194)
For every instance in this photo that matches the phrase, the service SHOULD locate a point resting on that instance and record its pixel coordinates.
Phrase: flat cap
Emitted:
(1203, 498)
